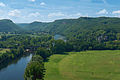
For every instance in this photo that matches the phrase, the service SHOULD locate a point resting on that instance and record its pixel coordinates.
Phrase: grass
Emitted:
(4, 50)
(87, 65)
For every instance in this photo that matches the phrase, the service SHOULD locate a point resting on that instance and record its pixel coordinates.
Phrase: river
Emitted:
(15, 71)
(57, 37)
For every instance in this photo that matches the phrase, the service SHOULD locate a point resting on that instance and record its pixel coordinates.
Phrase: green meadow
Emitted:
(86, 65)
(4, 50)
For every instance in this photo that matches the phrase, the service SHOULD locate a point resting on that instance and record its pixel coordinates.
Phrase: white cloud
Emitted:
(116, 12)
(2, 4)
(42, 4)
(36, 14)
(76, 15)
(58, 14)
(104, 11)
(32, 0)
(104, 1)
(1, 11)
(14, 13)
(117, 16)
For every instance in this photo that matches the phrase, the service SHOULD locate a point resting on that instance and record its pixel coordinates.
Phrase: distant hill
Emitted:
(22, 25)
(36, 26)
(76, 26)
(7, 25)
(65, 26)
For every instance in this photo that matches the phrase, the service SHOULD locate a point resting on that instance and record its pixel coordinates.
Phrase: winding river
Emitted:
(15, 71)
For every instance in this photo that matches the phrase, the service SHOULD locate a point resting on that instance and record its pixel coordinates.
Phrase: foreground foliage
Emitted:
(35, 69)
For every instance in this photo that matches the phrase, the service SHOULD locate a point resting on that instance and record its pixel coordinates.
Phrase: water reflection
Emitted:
(57, 37)
(15, 70)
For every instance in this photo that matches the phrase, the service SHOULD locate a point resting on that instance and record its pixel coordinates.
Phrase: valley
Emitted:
(59, 39)
(69, 49)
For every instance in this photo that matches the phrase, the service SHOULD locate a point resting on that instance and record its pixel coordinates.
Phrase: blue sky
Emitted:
(49, 10)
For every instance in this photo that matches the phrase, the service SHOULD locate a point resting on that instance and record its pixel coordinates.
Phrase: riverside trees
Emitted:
(35, 69)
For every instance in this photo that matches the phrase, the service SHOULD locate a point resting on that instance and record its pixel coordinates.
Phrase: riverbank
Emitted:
(15, 70)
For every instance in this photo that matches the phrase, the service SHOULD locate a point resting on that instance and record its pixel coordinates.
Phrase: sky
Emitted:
(26, 11)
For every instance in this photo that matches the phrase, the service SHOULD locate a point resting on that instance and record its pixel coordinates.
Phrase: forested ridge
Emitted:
(76, 26)
(84, 33)
(7, 25)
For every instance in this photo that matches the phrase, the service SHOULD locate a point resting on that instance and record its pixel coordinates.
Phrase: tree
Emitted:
(118, 36)
(37, 58)
(35, 69)
(44, 53)
(20, 50)
(58, 47)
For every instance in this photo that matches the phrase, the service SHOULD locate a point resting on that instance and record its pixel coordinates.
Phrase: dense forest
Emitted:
(76, 26)
(85, 32)
(94, 33)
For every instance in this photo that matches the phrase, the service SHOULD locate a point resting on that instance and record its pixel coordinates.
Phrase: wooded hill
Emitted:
(7, 25)
(83, 27)
(72, 27)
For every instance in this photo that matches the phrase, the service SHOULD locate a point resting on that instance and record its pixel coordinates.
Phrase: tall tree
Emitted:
(35, 69)
(44, 53)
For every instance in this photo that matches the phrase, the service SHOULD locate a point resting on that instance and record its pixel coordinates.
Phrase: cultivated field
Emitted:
(87, 65)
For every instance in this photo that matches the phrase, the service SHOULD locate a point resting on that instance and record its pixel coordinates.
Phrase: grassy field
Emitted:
(4, 50)
(87, 65)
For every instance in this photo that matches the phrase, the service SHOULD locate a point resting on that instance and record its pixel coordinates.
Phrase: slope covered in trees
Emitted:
(35, 26)
(73, 27)
(22, 25)
(84, 33)
(7, 25)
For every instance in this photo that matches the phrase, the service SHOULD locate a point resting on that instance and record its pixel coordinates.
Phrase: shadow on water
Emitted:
(6, 63)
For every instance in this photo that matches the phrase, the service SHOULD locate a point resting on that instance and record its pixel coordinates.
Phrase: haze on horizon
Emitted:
(25, 11)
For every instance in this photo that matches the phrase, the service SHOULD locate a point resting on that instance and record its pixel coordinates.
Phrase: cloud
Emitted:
(117, 16)
(42, 4)
(14, 13)
(61, 15)
(58, 14)
(1, 11)
(32, 0)
(104, 1)
(36, 14)
(76, 15)
(104, 11)
(2, 4)
(99, 1)
(116, 12)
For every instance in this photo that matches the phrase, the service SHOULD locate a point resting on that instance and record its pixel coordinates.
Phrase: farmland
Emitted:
(86, 65)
